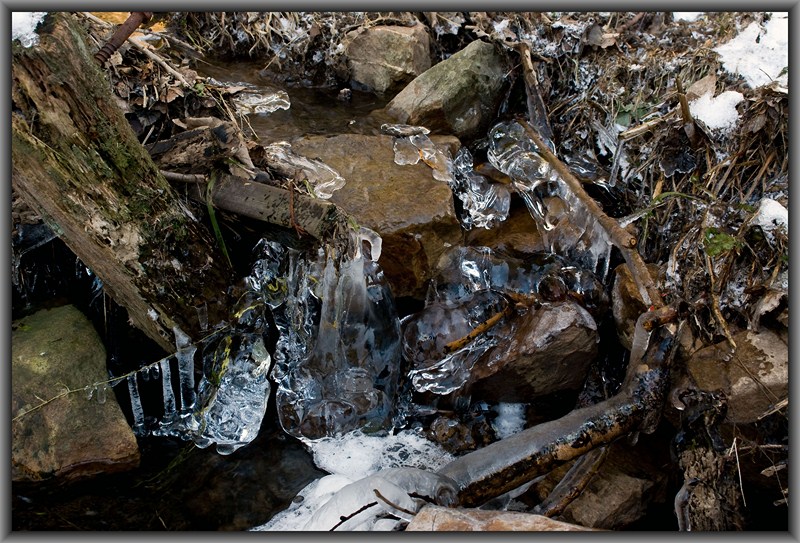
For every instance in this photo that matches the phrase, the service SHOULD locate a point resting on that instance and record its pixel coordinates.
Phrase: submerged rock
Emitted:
(382, 58)
(70, 437)
(434, 518)
(458, 95)
(411, 211)
(754, 378)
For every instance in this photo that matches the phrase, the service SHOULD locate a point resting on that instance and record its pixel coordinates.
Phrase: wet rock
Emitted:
(627, 482)
(548, 351)
(754, 378)
(626, 302)
(517, 234)
(412, 211)
(456, 96)
(433, 518)
(70, 437)
(383, 58)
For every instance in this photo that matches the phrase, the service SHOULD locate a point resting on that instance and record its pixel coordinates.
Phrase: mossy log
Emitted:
(77, 162)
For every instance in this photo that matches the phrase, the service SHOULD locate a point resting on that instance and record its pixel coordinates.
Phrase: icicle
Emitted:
(170, 413)
(185, 355)
(136, 406)
(102, 393)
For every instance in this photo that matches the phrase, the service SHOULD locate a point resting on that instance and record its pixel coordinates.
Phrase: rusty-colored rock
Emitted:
(433, 518)
(412, 211)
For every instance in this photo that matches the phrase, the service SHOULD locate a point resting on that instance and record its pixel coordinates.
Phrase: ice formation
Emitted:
(254, 102)
(23, 26)
(322, 180)
(565, 224)
(337, 357)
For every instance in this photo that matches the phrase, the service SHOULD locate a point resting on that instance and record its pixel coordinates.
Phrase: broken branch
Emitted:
(618, 235)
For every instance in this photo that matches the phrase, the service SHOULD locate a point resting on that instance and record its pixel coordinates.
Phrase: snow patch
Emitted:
(770, 216)
(510, 419)
(760, 55)
(717, 113)
(23, 26)
(688, 16)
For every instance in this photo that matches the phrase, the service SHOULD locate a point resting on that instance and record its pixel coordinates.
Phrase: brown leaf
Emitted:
(701, 87)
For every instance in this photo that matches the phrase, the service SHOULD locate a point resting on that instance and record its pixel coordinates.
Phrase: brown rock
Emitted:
(456, 96)
(383, 58)
(754, 378)
(412, 211)
(71, 436)
(433, 518)
(548, 351)
(518, 233)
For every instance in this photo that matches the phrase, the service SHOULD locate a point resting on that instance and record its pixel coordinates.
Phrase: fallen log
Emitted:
(77, 162)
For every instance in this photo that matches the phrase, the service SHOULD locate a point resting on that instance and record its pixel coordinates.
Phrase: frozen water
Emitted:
(234, 395)
(510, 419)
(718, 113)
(136, 406)
(254, 102)
(353, 457)
(185, 355)
(565, 224)
(23, 26)
(400, 130)
(169, 424)
(405, 152)
(485, 203)
(770, 216)
(322, 179)
(760, 55)
(337, 358)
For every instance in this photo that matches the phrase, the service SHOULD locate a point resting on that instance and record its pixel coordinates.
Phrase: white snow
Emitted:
(357, 455)
(350, 458)
(718, 113)
(770, 216)
(510, 419)
(23, 26)
(688, 16)
(759, 54)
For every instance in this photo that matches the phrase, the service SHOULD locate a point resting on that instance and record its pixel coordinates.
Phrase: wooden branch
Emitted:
(197, 151)
(273, 205)
(511, 462)
(618, 235)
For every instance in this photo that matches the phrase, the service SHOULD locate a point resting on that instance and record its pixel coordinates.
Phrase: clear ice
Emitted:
(485, 203)
(322, 180)
(565, 224)
(248, 101)
(337, 358)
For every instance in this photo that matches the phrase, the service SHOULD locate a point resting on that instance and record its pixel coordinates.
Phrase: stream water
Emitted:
(178, 485)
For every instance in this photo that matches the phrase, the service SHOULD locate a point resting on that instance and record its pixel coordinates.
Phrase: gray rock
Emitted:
(548, 351)
(384, 58)
(456, 96)
(412, 211)
(754, 378)
(71, 437)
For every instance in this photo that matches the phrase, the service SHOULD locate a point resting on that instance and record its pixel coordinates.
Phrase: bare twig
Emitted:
(618, 235)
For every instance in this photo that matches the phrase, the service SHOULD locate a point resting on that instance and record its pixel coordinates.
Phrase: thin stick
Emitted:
(158, 60)
(618, 235)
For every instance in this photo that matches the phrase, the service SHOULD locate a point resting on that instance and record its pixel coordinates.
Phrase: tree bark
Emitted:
(77, 162)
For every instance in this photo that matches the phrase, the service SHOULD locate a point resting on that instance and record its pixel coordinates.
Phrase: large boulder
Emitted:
(53, 351)
(458, 95)
(412, 211)
(383, 58)
(755, 377)
(434, 518)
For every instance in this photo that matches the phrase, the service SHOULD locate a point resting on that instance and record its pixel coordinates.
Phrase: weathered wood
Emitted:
(77, 162)
(273, 205)
(198, 150)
